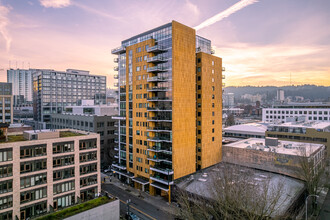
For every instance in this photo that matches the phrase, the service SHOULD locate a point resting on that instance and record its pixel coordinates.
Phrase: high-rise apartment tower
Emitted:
(170, 94)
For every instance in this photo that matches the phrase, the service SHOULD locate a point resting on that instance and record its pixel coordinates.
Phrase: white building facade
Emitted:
(319, 112)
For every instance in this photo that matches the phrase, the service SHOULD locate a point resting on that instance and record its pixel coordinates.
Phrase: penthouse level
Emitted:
(47, 170)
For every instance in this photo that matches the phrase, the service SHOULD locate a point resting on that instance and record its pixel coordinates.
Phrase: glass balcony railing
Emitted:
(159, 139)
(154, 99)
(156, 48)
(116, 60)
(162, 170)
(158, 89)
(156, 59)
(159, 128)
(118, 50)
(158, 109)
(116, 68)
(157, 79)
(159, 118)
(156, 149)
(115, 84)
(157, 69)
(160, 159)
(161, 180)
(116, 76)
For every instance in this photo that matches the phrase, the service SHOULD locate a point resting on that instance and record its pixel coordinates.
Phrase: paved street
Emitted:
(138, 206)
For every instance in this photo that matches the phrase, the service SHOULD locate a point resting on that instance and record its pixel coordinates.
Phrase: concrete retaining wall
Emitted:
(109, 211)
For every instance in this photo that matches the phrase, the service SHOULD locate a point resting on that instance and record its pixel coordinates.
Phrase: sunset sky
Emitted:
(261, 42)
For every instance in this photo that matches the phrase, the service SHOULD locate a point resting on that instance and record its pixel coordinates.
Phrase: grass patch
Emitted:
(13, 138)
(69, 134)
(65, 213)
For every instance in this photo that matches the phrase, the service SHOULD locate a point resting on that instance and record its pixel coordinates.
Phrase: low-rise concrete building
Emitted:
(250, 130)
(306, 132)
(200, 187)
(270, 154)
(47, 170)
(92, 118)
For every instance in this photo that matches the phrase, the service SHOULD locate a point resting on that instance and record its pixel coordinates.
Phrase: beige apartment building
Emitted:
(47, 170)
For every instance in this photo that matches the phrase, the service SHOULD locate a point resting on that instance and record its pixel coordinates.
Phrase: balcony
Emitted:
(119, 166)
(116, 76)
(223, 69)
(161, 180)
(159, 129)
(119, 50)
(156, 99)
(116, 148)
(156, 69)
(160, 118)
(212, 51)
(162, 170)
(115, 84)
(157, 79)
(159, 139)
(223, 77)
(156, 49)
(116, 68)
(156, 109)
(223, 84)
(156, 59)
(159, 159)
(116, 156)
(116, 60)
(156, 149)
(158, 89)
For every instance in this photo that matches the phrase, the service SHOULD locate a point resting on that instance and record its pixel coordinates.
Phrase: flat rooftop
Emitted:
(259, 128)
(62, 134)
(201, 182)
(314, 125)
(283, 147)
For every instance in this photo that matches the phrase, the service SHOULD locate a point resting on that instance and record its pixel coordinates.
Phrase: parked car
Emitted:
(132, 216)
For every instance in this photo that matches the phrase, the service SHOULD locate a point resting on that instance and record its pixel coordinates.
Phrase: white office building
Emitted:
(314, 111)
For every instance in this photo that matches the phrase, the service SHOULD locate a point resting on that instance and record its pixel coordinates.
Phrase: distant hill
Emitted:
(312, 92)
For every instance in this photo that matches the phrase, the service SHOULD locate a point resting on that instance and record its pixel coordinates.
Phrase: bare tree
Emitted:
(235, 195)
(230, 120)
(310, 169)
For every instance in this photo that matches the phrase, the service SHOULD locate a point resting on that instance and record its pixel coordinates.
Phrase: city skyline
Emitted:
(261, 42)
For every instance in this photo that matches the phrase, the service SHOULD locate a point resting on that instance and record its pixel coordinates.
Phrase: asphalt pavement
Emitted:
(138, 206)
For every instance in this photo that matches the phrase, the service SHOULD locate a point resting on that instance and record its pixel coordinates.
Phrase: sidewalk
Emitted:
(157, 201)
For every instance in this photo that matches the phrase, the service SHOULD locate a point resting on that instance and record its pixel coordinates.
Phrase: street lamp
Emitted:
(306, 202)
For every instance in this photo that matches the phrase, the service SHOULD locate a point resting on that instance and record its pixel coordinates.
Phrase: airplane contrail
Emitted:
(4, 21)
(218, 17)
